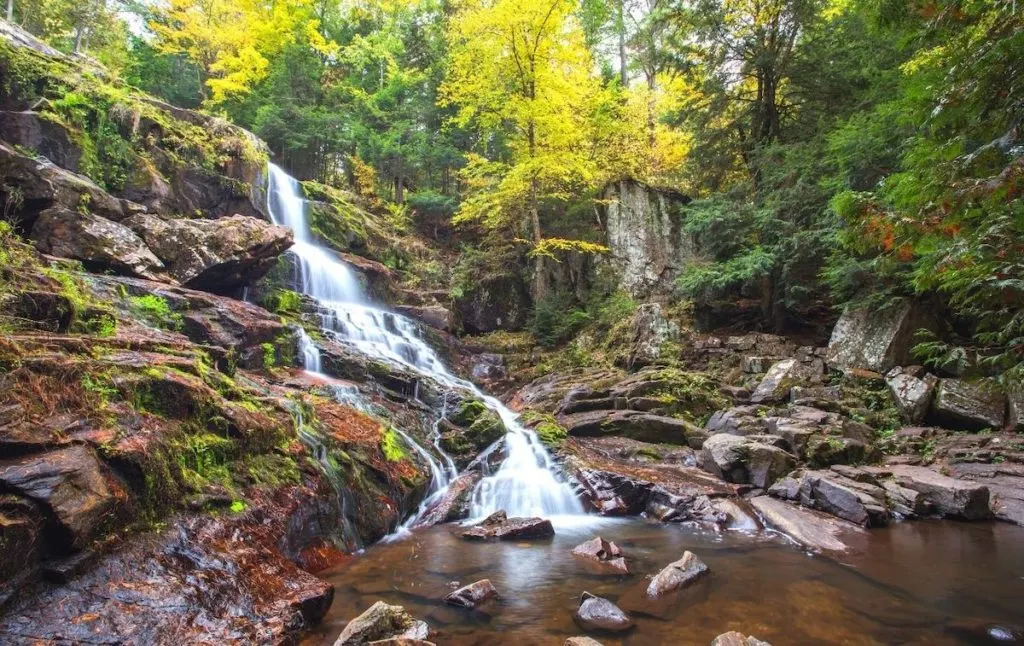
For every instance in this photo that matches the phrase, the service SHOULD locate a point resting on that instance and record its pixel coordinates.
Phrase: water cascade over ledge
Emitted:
(527, 482)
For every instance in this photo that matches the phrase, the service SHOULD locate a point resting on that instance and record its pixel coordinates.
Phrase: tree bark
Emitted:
(10, 11)
(621, 28)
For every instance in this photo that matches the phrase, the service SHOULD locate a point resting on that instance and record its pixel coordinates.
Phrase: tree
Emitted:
(521, 68)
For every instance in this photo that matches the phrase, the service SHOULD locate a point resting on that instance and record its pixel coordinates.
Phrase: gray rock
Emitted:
(913, 395)
(969, 405)
(876, 340)
(45, 136)
(494, 303)
(651, 331)
(581, 641)
(213, 255)
(498, 526)
(382, 622)
(605, 553)
(737, 639)
(598, 613)
(1015, 410)
(97, 242)
(744, 460)
(781, 377)
(677, 575)
(811, 529)
(472, 595)
(436, 316)
(948, 496)
(755, 365)
(860, 503)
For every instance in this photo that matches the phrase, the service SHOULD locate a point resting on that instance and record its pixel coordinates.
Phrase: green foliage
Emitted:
(269, 355)
(556, 318)
(283, 301)
(156, 310)
(204, 459)
(391, 446)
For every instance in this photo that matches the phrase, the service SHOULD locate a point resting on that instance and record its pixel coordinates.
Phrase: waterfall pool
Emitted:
(925, 582)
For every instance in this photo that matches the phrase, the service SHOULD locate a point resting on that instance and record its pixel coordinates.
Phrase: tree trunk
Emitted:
(10, 11)
(621, 28)
(651, 107)
(399, 190)
(539, 282)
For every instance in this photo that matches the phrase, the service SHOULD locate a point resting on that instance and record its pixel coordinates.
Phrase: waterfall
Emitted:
(526, 483)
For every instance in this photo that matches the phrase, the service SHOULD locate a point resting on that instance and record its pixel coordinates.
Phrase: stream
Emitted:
(925, 582)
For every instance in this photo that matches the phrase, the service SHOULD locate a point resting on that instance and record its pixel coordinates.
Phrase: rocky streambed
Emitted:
(929, 582)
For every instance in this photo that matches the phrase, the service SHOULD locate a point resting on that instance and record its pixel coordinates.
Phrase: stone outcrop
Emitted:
(878, 340)
(599, 614)
(382, 622)
(98, 243)
(645, 427)
(644, 235)
(913, 392)
(494, 303)
(745, 459)
(949, 497)
(677, 575)
(651, 334)
(213, 255)
(780, 379)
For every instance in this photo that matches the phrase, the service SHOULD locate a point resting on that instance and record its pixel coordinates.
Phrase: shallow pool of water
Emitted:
(912, 583)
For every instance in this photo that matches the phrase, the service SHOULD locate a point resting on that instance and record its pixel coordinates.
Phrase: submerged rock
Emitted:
(737, 639)
(382, 622)
(472, 595)
(581, 641)
(499, 526)
(603, 552)
(678, 575)
(598, 613)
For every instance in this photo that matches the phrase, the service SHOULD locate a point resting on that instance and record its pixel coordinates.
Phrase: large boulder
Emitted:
(636, 425)
(381, 622)
(862, 503)
(949, 496)
(812, 530)
(1015, 409)
(745, 459)
(877, 340)
(605, 553)
(45, 136)
(647, 245)
(213, 255)
(677, 575)
(600, 614)
(913, 393)
(71, 485)
(972, 405)
(498, 526)
(781, 377)
(97, 242)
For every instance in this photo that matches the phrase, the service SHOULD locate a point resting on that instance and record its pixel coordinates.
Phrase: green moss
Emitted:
(688, 395)
(204, 460)
(283, 301)
(468, 412)
(334, 217)
(272, 470)
(269, 355)
(392, 447)
(238, 506)
(156, 311)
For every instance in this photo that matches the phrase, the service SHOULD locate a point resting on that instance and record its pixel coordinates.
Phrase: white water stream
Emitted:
(526, 483)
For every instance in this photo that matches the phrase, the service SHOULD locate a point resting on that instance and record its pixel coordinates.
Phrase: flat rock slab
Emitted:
(949, 496)
(499, 527)
(813, 530)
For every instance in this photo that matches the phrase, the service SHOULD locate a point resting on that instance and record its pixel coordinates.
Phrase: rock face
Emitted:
(644, 236)
(71, 485)
(876, 340)
(949, 496)
(745, 459)
(913, 393)
(676, 576)
(605, 553)
(645, 427)
(472, 595)
(494, 303)
(97, 242)
(382, 622)
(600, 614)
(651, 332)
(28, 130)
(498, 526)
(971, 405)
(213, 255)
(857, 499)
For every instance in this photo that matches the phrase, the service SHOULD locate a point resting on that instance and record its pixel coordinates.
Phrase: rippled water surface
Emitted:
(913, 583)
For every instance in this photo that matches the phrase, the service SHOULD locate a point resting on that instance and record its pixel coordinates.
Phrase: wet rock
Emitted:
(603, 552)
(677, 575)
(744, 460)
(213, 255)
(436, 316)
(600, 614)
(740, 420)
(876, 340)
(823, 450)
(401, 641)
(776, 385)
(614, 494)
(381, 622)
(97, 242)
(949, 496)
(813, 530)
(454, 506)
(858, 502)
(21, 532)
(651, 331)
(913, 394)
(472, 595)
(737, 639)
(581, 641)
(645, 427)
(488, 367)
(498, 526)
(71, 485)
(969, 405)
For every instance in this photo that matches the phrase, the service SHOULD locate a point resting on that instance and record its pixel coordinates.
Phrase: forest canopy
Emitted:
(837, 151)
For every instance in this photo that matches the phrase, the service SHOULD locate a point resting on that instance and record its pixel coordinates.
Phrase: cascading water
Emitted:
(526, 483)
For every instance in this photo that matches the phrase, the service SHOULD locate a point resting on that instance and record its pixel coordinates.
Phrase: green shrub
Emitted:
(556, 318)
